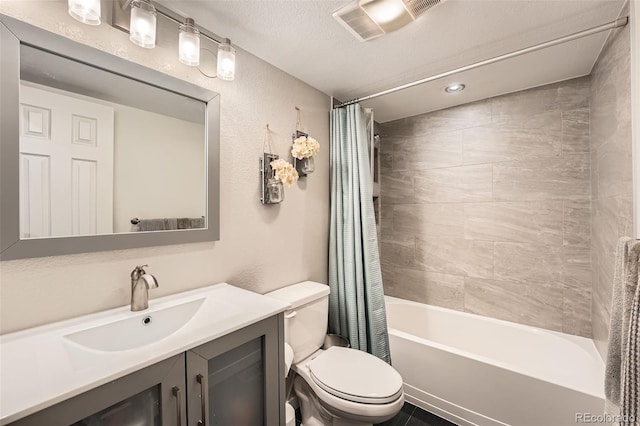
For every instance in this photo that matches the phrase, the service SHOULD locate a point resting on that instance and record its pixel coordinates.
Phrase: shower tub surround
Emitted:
(474, 370)
(611, 171)
(486, 207)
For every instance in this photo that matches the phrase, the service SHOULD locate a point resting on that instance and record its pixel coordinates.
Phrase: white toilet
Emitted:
(337, 386)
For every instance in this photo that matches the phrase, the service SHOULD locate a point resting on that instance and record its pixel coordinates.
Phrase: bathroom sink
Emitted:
(137, 330)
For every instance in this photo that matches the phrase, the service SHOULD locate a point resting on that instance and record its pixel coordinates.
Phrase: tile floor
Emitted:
(411, 415)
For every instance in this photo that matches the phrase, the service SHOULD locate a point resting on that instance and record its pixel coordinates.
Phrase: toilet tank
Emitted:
(305, 323)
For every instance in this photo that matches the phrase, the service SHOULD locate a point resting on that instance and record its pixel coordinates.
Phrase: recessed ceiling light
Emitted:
(454, 88)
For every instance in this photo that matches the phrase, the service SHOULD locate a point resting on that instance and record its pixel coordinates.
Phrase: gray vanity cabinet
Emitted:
(238, 379)
(235, 380)
(153, 396)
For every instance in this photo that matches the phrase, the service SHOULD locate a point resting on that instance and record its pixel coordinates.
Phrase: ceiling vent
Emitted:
(357, 22)
(419, 7)
(360, 25)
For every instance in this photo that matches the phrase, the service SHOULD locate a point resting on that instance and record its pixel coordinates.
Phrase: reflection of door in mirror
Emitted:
(66, 164)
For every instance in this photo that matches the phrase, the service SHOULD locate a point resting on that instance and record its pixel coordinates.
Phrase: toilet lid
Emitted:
(356, 376)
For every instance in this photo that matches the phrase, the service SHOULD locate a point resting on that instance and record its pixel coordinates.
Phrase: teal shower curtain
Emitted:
(356, 302)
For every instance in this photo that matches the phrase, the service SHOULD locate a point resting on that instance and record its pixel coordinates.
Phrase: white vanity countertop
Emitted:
(39, 367)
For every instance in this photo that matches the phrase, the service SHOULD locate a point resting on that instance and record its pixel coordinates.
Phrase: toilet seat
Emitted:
(355, 376)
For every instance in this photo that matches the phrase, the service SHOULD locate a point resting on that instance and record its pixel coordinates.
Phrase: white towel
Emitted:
(622, 376)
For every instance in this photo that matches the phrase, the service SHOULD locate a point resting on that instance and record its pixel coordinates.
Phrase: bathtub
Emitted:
(474, 370)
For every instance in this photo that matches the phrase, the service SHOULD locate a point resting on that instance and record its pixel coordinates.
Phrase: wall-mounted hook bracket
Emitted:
(266, 173)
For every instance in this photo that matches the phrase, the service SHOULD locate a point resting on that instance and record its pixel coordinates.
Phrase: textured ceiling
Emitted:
(302, 38)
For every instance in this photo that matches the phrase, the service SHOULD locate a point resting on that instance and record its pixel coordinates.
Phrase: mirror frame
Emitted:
(13, 33)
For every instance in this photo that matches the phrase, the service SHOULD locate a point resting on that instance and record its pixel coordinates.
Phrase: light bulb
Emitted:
(454, 88)
(226, 61)
(85, 11)
(142, 28)
(189, 44)
(390, 15)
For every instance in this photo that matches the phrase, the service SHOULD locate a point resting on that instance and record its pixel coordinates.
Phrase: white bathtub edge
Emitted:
(421, 399)
(580, 341)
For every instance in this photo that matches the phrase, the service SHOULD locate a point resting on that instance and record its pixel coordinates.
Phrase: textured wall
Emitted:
(486, 207)
(260, 248)
(611, 171)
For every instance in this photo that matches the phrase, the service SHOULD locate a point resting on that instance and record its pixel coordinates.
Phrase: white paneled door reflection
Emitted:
(66, 164)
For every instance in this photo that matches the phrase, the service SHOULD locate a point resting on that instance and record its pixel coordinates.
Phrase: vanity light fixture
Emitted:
(390, 15)
(226, 61)
(454, 88)
(141, 15)
(85, 11)
(189, 43)
(142, 27)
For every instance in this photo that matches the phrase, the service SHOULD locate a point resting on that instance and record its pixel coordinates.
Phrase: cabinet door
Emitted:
(238, 379)
(153, 396)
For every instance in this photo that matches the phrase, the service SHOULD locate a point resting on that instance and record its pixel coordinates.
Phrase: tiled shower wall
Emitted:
(486, 207)
(611, 184)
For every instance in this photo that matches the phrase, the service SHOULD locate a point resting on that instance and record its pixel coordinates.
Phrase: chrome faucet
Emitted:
(141, 282)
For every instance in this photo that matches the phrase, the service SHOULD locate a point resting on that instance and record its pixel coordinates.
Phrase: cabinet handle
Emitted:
(203, 405)
(176, 393)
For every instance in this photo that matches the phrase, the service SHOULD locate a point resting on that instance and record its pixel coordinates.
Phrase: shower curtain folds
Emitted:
(356, 302)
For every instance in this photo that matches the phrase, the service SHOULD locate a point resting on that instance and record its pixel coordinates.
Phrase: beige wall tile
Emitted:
(548, 179)
(566, 95)
(525, 221)
(451, 119)
(386, 161)
(577, 276)
(438, 220)
(575, 131)
(432, 151)
(405, 127)
(425, 287)
(614, 167)
(528, 263)
(611, 189)
(397, 254)
(576, 312)
(574, 94)
(401, 238)
(538, 136)
(497, 192)
(455, 256)
(535, 305)
(454, 184)
(576, 219)
(386, 219)
(396, 187)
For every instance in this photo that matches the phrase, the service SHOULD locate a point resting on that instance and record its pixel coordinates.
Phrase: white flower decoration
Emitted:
(305, 147)
(285, 172)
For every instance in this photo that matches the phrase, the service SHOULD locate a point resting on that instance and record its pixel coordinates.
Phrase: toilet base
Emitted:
(313, 413)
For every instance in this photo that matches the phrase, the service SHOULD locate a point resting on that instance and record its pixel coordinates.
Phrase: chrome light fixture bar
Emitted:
(142, 30)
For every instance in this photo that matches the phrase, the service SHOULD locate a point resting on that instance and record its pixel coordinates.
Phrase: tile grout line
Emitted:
(410, 415)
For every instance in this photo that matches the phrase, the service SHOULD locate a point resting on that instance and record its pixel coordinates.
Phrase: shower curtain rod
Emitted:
(620, 22)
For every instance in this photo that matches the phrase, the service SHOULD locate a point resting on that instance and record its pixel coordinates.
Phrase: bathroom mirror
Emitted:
(99, 153)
